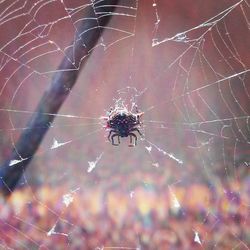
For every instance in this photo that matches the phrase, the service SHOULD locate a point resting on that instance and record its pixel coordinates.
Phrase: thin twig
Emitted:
(55, 95)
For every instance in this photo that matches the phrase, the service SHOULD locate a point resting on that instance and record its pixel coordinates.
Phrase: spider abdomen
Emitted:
(122, 123)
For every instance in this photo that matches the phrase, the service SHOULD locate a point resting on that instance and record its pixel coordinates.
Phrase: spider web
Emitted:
(186, 183)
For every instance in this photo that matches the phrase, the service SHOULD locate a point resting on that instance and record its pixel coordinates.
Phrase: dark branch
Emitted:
(55, 95)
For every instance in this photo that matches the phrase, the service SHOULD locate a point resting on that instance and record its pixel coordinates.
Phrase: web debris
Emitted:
(57, 144)
(93, 164)
(14, 162)
(197, 238)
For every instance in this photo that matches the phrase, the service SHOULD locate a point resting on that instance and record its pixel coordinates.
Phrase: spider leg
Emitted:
(112, 139)
(137, 130)
(110, 132)
(132, 135)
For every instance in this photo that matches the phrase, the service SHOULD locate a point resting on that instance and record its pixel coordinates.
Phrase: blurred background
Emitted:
(186, 185)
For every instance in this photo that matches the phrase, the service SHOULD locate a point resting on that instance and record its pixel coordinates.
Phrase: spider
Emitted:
(122, 123)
